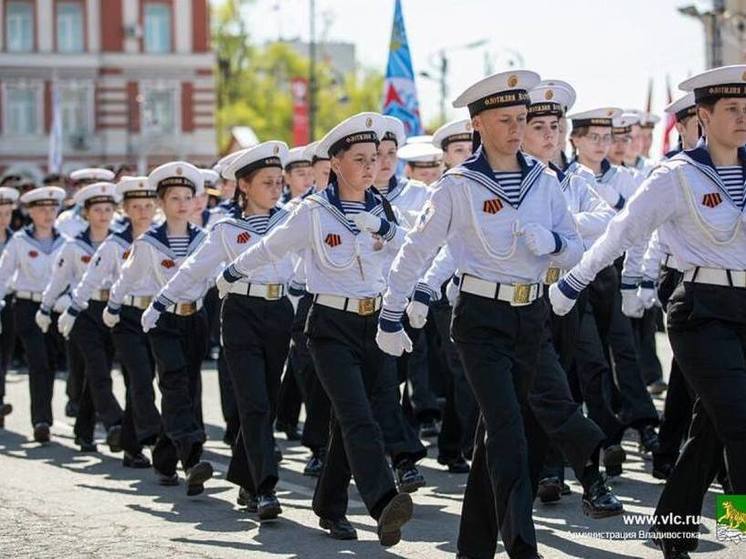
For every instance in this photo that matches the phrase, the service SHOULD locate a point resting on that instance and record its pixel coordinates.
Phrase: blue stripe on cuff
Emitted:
(647, 284)
(231, 274)
(296, 291)
(160, 304)
(568, 290)
(620, 203)
(390, 325)
(387, 230)
(392, 316)
(114, 308)
(559, 243)
(73, 310)
(574, 283)
(44, 310)
(422, 296)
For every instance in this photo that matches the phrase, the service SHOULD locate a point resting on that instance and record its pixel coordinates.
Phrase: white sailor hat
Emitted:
(96, 193)
(393, 130)
(551, 98)
(421, 155)
(648, 120)
(135, 187)
(223, 163)
(311, 152)
(92, 174)
(176, 173)
(8, 195)
(622, 124)
(596, 117)
(455, 131)
(209, 177)
(266, 154)
(44, 196)
(297, 159)
(357, 129)
(505, 89)
(725, 81)
(422, 139)
(683, 107)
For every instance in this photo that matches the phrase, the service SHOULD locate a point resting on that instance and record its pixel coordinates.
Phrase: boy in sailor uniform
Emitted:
(27, 261)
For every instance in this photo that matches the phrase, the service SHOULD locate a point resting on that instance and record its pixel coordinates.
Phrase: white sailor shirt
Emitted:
(27, 263)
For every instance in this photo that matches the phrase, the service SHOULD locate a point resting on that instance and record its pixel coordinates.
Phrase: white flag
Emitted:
(54, 162)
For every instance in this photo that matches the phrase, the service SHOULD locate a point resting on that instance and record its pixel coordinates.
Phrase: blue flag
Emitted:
(400, 93)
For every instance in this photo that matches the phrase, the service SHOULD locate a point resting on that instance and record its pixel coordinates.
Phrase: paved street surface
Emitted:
(56, 502)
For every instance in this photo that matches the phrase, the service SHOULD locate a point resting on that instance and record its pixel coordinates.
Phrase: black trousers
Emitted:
(500, 349)
(256, 335)
(419, 400)
(7, 342)
(677, 415)
(644, 335)
(461, 413)
(179, 344)
(41, 374)
(707, 329)
(228, 404)
(290, 398)
(348, 363)
(93, 340)
(138, 365)
(75, 368)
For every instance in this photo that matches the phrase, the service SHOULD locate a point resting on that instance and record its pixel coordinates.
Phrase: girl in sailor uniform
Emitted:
(505, 219)
(696, 200)
(91, 339)
(141, 421)
(27, 261)
(255, 318)
(345, 237)
(8, 198)
(177, 329)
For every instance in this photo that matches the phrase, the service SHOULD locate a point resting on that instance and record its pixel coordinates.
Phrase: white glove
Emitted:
(648, 296)
(539, 239)
(632, 305)
(223, 286)
(65, 324)
(62, 303)
(109, 318)
(367, 222)
(43, 321)
(561, 303)
(393, 343)
(149, 318)
(607, 192)
(452, 291)
(417, 313)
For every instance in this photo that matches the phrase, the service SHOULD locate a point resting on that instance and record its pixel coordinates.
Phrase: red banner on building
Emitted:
(301, 132)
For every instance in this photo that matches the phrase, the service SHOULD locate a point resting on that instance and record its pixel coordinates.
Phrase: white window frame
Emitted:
(148, 86)
(170, 27)
(6, 27)
(89, 109)
(37, 87)
(81, 12)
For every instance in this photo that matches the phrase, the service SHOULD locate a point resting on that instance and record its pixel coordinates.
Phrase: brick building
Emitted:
(133, 79)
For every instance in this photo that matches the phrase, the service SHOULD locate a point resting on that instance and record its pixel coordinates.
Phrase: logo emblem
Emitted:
(731, 518)
(141, 184)
(243, 238)
(548, 94)
(276, 150)
(85, 259)
(492, 206)
(512, 81)
(333, 240)
(168, 263)
(610, 112)
(179, 171)
(743, 76)
(711, 200)
(33, 253)
(369, 122)
(468, 126)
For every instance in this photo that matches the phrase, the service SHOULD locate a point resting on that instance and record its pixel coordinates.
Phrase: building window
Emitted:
(22, 109)
(157, 27)
(70, 27)
(159, 111)
(75, 109)
(19, 26)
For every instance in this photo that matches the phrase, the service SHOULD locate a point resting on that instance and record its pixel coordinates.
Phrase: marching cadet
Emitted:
(28, 260)
(71, 222)
(8, 198)
(345, 240)
(298, 174)
(454, 139)
(177, 330)
(696, 201)
(91, 339)
(227, 187)
(684, 110)
(504, 218)
(255, 318)
(201, 215)
(141, 421)
(423, 161)
(647, 125)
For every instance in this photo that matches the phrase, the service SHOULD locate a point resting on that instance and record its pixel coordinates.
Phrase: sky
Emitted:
(608, 50)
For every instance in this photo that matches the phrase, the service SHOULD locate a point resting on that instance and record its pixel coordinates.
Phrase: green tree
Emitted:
(253, 83)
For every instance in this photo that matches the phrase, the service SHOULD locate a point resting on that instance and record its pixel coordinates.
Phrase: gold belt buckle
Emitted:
(104, 294)
(553, 275)
(521, 293)
(366, 306)
(186, 309)
(273, 291)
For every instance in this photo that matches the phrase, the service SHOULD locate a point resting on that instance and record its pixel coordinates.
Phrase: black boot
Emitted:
(613, 457)
(339, 529)
(649, 439)
(41, 433)
(246, 499)
(196, 476)
(86, 445)
(114, 438)
(457, 465)
(136, 460)
(409, 477)
(550, 490)
(599, 501)
(315, 464)
(268, 507)
(394, 515)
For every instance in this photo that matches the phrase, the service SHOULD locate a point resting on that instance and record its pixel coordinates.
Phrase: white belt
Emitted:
(140, 302)
(716, 276)
(269, 291)
(553, 275)
(363, 307)
(185, 309)
(101, 295)
(670, 261)
(517, 294)
(29, 296)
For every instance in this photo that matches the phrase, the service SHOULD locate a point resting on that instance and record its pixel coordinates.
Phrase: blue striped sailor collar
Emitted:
(562, 177)
(478, 169)
(276, 215)
(700, 158)
(83, 240)
(157, 236)
(28, 232)
(329, 199)
(123, 236)
(396, 187)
